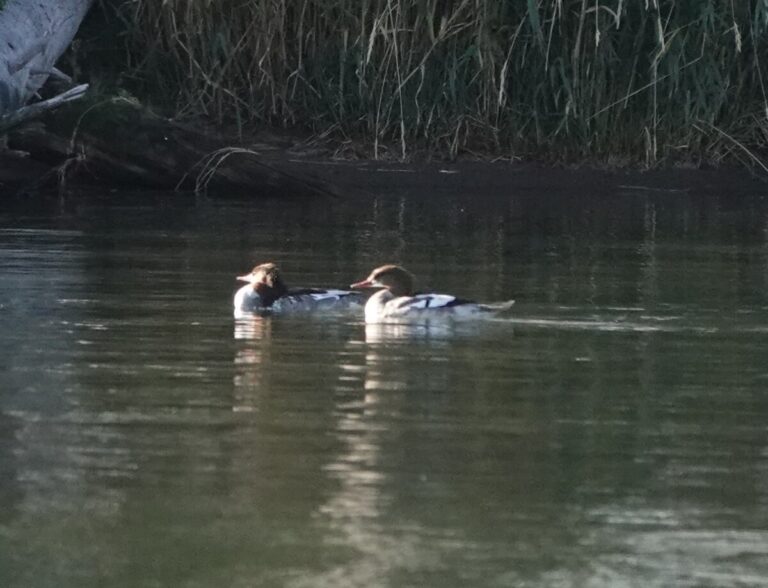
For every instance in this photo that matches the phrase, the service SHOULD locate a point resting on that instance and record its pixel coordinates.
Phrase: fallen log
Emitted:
(117, 142)
(36, 109)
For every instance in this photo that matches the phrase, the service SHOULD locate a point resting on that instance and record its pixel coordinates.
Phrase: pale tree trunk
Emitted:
(33, 35)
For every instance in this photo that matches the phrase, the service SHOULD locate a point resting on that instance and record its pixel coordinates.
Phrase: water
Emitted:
(611, 431)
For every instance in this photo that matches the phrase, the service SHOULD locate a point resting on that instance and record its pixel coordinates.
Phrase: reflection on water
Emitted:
(609, 431)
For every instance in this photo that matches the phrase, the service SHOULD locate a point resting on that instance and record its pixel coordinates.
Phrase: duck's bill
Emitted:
(245, 278)
(364, 284)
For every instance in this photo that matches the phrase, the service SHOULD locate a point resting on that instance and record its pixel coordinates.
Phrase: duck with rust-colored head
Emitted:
(398, 302)
(267, 292)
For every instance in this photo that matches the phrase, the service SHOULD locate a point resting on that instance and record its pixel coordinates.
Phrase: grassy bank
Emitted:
(612, 80)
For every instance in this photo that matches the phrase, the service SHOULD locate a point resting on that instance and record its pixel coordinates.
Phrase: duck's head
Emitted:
(394, 278)
(267, 280)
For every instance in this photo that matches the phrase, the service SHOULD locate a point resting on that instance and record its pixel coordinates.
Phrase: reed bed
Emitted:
(609, 80)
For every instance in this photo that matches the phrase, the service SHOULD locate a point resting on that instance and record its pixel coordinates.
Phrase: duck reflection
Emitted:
(294, 379)
(401, 356)
(253, 327)
(383, 333)
(252, 360)
(402, 370)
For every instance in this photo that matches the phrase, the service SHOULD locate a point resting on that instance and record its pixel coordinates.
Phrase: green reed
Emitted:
(609, 80)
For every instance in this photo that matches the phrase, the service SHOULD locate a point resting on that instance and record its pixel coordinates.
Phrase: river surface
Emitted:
(612, 430)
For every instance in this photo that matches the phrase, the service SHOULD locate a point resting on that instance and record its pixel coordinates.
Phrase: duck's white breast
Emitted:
(246, 300)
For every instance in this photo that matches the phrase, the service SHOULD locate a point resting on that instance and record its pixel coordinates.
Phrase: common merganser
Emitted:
(398, 302)
(266, 292)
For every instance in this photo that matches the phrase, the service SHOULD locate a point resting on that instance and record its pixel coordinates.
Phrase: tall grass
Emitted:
(625, 80)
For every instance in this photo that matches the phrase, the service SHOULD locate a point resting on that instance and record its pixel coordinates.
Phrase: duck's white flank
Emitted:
(397, 302)
(266, 292)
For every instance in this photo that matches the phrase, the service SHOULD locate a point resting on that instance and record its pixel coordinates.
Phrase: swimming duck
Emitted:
(266, 292)
(398, 302)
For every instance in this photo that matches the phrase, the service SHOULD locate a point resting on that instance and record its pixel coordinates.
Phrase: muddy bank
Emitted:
(46, 160)
(502, 179)
(27, 177)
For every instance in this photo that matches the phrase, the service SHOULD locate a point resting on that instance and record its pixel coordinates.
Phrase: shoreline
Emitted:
(350, 177)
